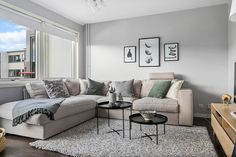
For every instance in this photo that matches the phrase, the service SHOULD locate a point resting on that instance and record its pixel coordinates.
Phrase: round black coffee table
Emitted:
(121, 105)
(156, 120)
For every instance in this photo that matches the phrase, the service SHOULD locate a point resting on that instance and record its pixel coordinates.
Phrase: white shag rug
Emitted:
(83, 141)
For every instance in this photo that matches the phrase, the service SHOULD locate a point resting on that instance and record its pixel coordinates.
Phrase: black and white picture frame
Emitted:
(149, 52)
(129, 54)
(171, 51)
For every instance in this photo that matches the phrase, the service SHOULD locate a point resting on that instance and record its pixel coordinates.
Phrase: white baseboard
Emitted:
(202, 115)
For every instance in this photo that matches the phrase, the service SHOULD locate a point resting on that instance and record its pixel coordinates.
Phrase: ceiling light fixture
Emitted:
(95, 5)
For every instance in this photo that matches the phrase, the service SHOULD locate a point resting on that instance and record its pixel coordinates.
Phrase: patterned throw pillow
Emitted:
(56, 89)
(126, 88)
(95, 88)
(159, 89)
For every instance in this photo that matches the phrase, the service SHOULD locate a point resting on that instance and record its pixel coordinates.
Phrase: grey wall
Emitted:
(201, 33)
(231, 55)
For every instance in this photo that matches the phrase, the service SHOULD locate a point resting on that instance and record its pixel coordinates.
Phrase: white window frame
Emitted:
(44, 74)
(39, 23)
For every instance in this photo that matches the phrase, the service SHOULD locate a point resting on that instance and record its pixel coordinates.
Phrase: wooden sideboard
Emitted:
(224, 126)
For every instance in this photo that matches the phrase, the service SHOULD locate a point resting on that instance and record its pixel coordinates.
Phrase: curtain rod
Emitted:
(30, 15)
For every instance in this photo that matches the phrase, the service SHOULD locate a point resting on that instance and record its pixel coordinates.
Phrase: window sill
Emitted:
(16, 83)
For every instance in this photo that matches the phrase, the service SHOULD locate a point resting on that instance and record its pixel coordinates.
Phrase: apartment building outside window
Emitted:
(17, 51)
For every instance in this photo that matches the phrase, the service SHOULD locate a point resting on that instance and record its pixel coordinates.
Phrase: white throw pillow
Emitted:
(174, 89)
(83, 86)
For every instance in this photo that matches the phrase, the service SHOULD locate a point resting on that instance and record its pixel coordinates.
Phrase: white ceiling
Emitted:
(80, 12)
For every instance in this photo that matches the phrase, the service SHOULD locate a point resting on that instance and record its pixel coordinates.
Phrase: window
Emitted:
(59, 57)
(17, 51)
(14, 58)
(15, 72)
(36, 48)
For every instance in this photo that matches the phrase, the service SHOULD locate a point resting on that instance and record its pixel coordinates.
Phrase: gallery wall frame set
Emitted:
(149, 52)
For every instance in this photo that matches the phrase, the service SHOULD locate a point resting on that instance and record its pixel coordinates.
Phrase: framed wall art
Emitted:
(129, 54)
(149, 52)
(171, 51)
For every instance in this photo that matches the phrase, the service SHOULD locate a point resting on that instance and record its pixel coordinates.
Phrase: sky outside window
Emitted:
(12, 36)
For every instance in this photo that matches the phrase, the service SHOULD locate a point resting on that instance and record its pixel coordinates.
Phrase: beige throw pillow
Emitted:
(174, 89)
(73, 86)
(36, 90)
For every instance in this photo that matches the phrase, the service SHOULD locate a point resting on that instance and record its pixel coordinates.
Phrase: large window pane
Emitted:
(60, 53)
(17, 51)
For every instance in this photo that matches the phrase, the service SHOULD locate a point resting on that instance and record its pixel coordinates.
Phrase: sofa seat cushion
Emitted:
(160, 105)
(127, 99)
(70, 106)
(92, 97)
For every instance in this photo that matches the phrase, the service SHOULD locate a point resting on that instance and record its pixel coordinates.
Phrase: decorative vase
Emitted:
(2, 139)
(120, 98)
(112, 97)
(226, 98)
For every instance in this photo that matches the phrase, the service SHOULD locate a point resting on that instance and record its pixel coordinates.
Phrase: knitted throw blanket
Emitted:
(25, 109)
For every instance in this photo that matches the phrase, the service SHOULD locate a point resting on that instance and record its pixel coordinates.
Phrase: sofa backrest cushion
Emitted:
(137, 88)
(36, 89)
(73, 86)
(161, 76)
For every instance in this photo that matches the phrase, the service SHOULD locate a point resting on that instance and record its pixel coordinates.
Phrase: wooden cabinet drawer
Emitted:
(223, 138)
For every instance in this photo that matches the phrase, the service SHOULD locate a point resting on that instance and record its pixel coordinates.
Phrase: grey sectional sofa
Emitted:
(77, 109)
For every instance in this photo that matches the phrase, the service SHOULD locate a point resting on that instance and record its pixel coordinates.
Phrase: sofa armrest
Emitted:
(185, 100)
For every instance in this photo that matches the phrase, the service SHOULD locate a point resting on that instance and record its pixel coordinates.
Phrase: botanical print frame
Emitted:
(171, 51)
(129, 54)
(149, 52)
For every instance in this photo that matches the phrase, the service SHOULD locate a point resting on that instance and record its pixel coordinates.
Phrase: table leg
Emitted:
(164, 128)
(140, 128)
(130, 110)
(97, 120)
(123, 123)
(130, 127)
(108, 117)
(156, 134)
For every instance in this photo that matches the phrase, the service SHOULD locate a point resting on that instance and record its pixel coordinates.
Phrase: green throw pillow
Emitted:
(94, 87)
(159, 89)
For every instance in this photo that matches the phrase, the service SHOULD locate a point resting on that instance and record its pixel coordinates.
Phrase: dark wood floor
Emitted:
(19, 146)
